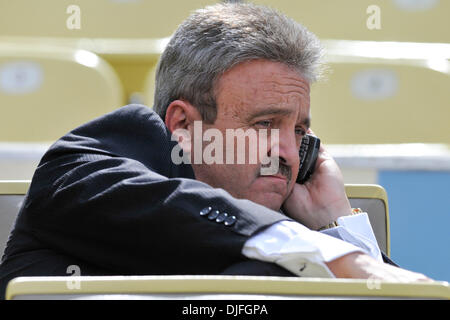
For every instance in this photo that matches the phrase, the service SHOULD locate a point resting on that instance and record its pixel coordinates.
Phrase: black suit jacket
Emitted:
(107, 198)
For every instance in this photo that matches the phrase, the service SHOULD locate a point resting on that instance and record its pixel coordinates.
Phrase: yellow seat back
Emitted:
(399, 20)
(382, 101)
(373, 199)
(46, 91)
(11, 197)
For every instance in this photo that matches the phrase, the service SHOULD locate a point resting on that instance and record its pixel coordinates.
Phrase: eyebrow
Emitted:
(278, 111)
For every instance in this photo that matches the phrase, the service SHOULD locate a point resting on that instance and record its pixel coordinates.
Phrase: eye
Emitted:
(300, 131)
(264, 123)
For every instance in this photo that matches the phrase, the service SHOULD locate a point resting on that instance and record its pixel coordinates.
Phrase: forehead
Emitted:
(258, 84)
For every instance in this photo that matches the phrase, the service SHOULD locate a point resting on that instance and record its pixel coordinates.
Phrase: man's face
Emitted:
(258, 95)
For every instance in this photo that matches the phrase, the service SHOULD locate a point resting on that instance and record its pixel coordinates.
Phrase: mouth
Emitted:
(278, 177)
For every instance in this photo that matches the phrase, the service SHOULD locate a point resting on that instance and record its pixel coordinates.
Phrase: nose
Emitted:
(284, 145)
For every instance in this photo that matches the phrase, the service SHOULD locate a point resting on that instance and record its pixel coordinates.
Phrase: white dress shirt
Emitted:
(304, 252)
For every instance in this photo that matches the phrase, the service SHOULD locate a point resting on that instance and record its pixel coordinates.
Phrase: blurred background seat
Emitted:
(373, 199)
(401, 20)
(99, 19)
(126, 33)
(11, 197)
(369, 100)
(45, 91)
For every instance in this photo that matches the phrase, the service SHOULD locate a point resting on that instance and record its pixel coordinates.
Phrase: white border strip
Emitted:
(408, 156)
(22, 151)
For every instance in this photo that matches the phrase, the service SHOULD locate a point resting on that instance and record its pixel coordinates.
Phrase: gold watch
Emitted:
(334, 224)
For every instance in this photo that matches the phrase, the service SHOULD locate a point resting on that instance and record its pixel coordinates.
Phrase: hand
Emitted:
(362, 266)
(322, 199)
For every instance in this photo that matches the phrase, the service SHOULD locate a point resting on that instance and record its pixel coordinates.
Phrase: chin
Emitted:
(272, 201)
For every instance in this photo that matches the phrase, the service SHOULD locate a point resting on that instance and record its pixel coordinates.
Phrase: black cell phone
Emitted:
(309, 151)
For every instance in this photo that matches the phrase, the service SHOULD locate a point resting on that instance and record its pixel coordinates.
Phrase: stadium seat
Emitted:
(48, 90)
(399, 20)
(373, 200)
(382, 101)
(130, 59)
(129, 46)
(97, 19)
(11, 196)
(133, 46)
(216, 288)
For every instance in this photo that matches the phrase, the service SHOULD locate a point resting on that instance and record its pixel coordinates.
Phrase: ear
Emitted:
(181, 115)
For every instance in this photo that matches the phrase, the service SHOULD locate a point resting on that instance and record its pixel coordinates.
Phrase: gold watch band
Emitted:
(335, 224)
(328, 226)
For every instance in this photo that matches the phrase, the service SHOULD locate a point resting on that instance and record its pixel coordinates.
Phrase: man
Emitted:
(109, 198)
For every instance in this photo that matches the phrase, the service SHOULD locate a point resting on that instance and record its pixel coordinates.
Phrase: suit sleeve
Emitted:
(94, 199)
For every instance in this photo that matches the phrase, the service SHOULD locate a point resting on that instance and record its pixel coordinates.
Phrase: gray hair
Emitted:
(214, 39)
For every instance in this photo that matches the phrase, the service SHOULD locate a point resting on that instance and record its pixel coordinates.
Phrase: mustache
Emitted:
(283, 170)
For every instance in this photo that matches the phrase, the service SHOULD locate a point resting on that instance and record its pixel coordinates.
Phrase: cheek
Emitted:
(229, 177)
(242, 174)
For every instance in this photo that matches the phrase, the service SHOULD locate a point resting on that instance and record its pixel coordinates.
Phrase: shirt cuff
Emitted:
(297, 249)
(357, 230)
